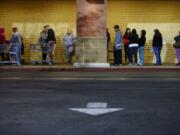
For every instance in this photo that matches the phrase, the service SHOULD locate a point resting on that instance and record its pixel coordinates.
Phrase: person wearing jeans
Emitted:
(118, 46)
(16, 42)
(142, 42)
(133, 47)
(126, 44)
(157, 46)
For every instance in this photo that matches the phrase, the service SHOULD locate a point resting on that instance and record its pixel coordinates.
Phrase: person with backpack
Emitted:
(133, 47)
(177, 47)
(157, 46)
(118, 46)
(142, 41)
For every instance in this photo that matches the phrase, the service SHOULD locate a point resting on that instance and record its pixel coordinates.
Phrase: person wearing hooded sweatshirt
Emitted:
(142, 42)
(133, 47)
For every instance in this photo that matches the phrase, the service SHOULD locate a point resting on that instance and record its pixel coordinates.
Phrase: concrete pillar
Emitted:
(91, 47)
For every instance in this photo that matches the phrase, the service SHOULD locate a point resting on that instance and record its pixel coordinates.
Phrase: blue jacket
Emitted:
(118, 38)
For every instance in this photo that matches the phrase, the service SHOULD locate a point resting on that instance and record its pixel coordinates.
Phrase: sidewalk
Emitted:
(67, 68)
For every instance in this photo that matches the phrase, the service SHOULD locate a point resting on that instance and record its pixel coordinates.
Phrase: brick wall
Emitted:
(30, 16)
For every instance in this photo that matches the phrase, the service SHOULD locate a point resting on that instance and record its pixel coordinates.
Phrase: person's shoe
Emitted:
(130, 64)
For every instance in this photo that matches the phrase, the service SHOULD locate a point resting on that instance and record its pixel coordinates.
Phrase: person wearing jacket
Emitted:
(69, 41)
(118, 46)
(142, 41)
(2, 41)
(177, 39)
(157, 46)
(43, 43)
(51, 41)
(126, 44)
(133, 47)
(16, 41)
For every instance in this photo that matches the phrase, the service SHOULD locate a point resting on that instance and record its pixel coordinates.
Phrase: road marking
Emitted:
(96, 109)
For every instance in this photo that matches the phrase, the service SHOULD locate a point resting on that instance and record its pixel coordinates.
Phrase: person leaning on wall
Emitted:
(117, 46)
(157, 46)
(177, 47)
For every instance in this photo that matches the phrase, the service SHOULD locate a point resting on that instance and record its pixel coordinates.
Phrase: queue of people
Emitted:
(133, 44)
(129, 41)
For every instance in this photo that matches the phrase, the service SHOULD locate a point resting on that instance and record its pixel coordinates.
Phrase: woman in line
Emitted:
(157, 46)
(43, 43)
(133, 47)
(16, 41)
(142, 42)
(126, 38)
(69, 41)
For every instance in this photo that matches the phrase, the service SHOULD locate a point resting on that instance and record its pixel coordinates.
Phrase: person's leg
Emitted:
(135, 54)
(178, 55)
(130, 55)
(115, 59)
(2, 56)
(120, 56)
(159, 56)
(141, 55)
(16, 55)
(156, 54)
(126, 53)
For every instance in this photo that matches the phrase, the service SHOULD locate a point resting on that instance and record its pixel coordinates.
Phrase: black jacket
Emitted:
(134, 39)
(142, 41)
(157, 41)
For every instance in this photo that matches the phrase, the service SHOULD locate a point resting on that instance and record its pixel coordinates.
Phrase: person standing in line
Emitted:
(157, 46)
(43, 43)
(69, 41)
(142, 42)
(133, 47)
(177, 47)
(51, 41)
(2, 41)
(126, 38)
(16, 41)
(118, 46)
(108, 36)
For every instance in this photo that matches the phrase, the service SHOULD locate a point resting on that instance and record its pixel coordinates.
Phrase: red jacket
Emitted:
(2, 39)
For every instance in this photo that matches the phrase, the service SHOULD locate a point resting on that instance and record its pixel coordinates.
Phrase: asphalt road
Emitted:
(38, 104)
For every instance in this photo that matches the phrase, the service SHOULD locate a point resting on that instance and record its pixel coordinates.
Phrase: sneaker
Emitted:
(130, 64)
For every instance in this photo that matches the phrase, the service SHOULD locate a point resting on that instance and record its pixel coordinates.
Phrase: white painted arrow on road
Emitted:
(96, 109)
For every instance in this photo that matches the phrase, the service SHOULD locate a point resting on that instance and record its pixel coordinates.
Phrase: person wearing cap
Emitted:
(16, 41)
(117, 46)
